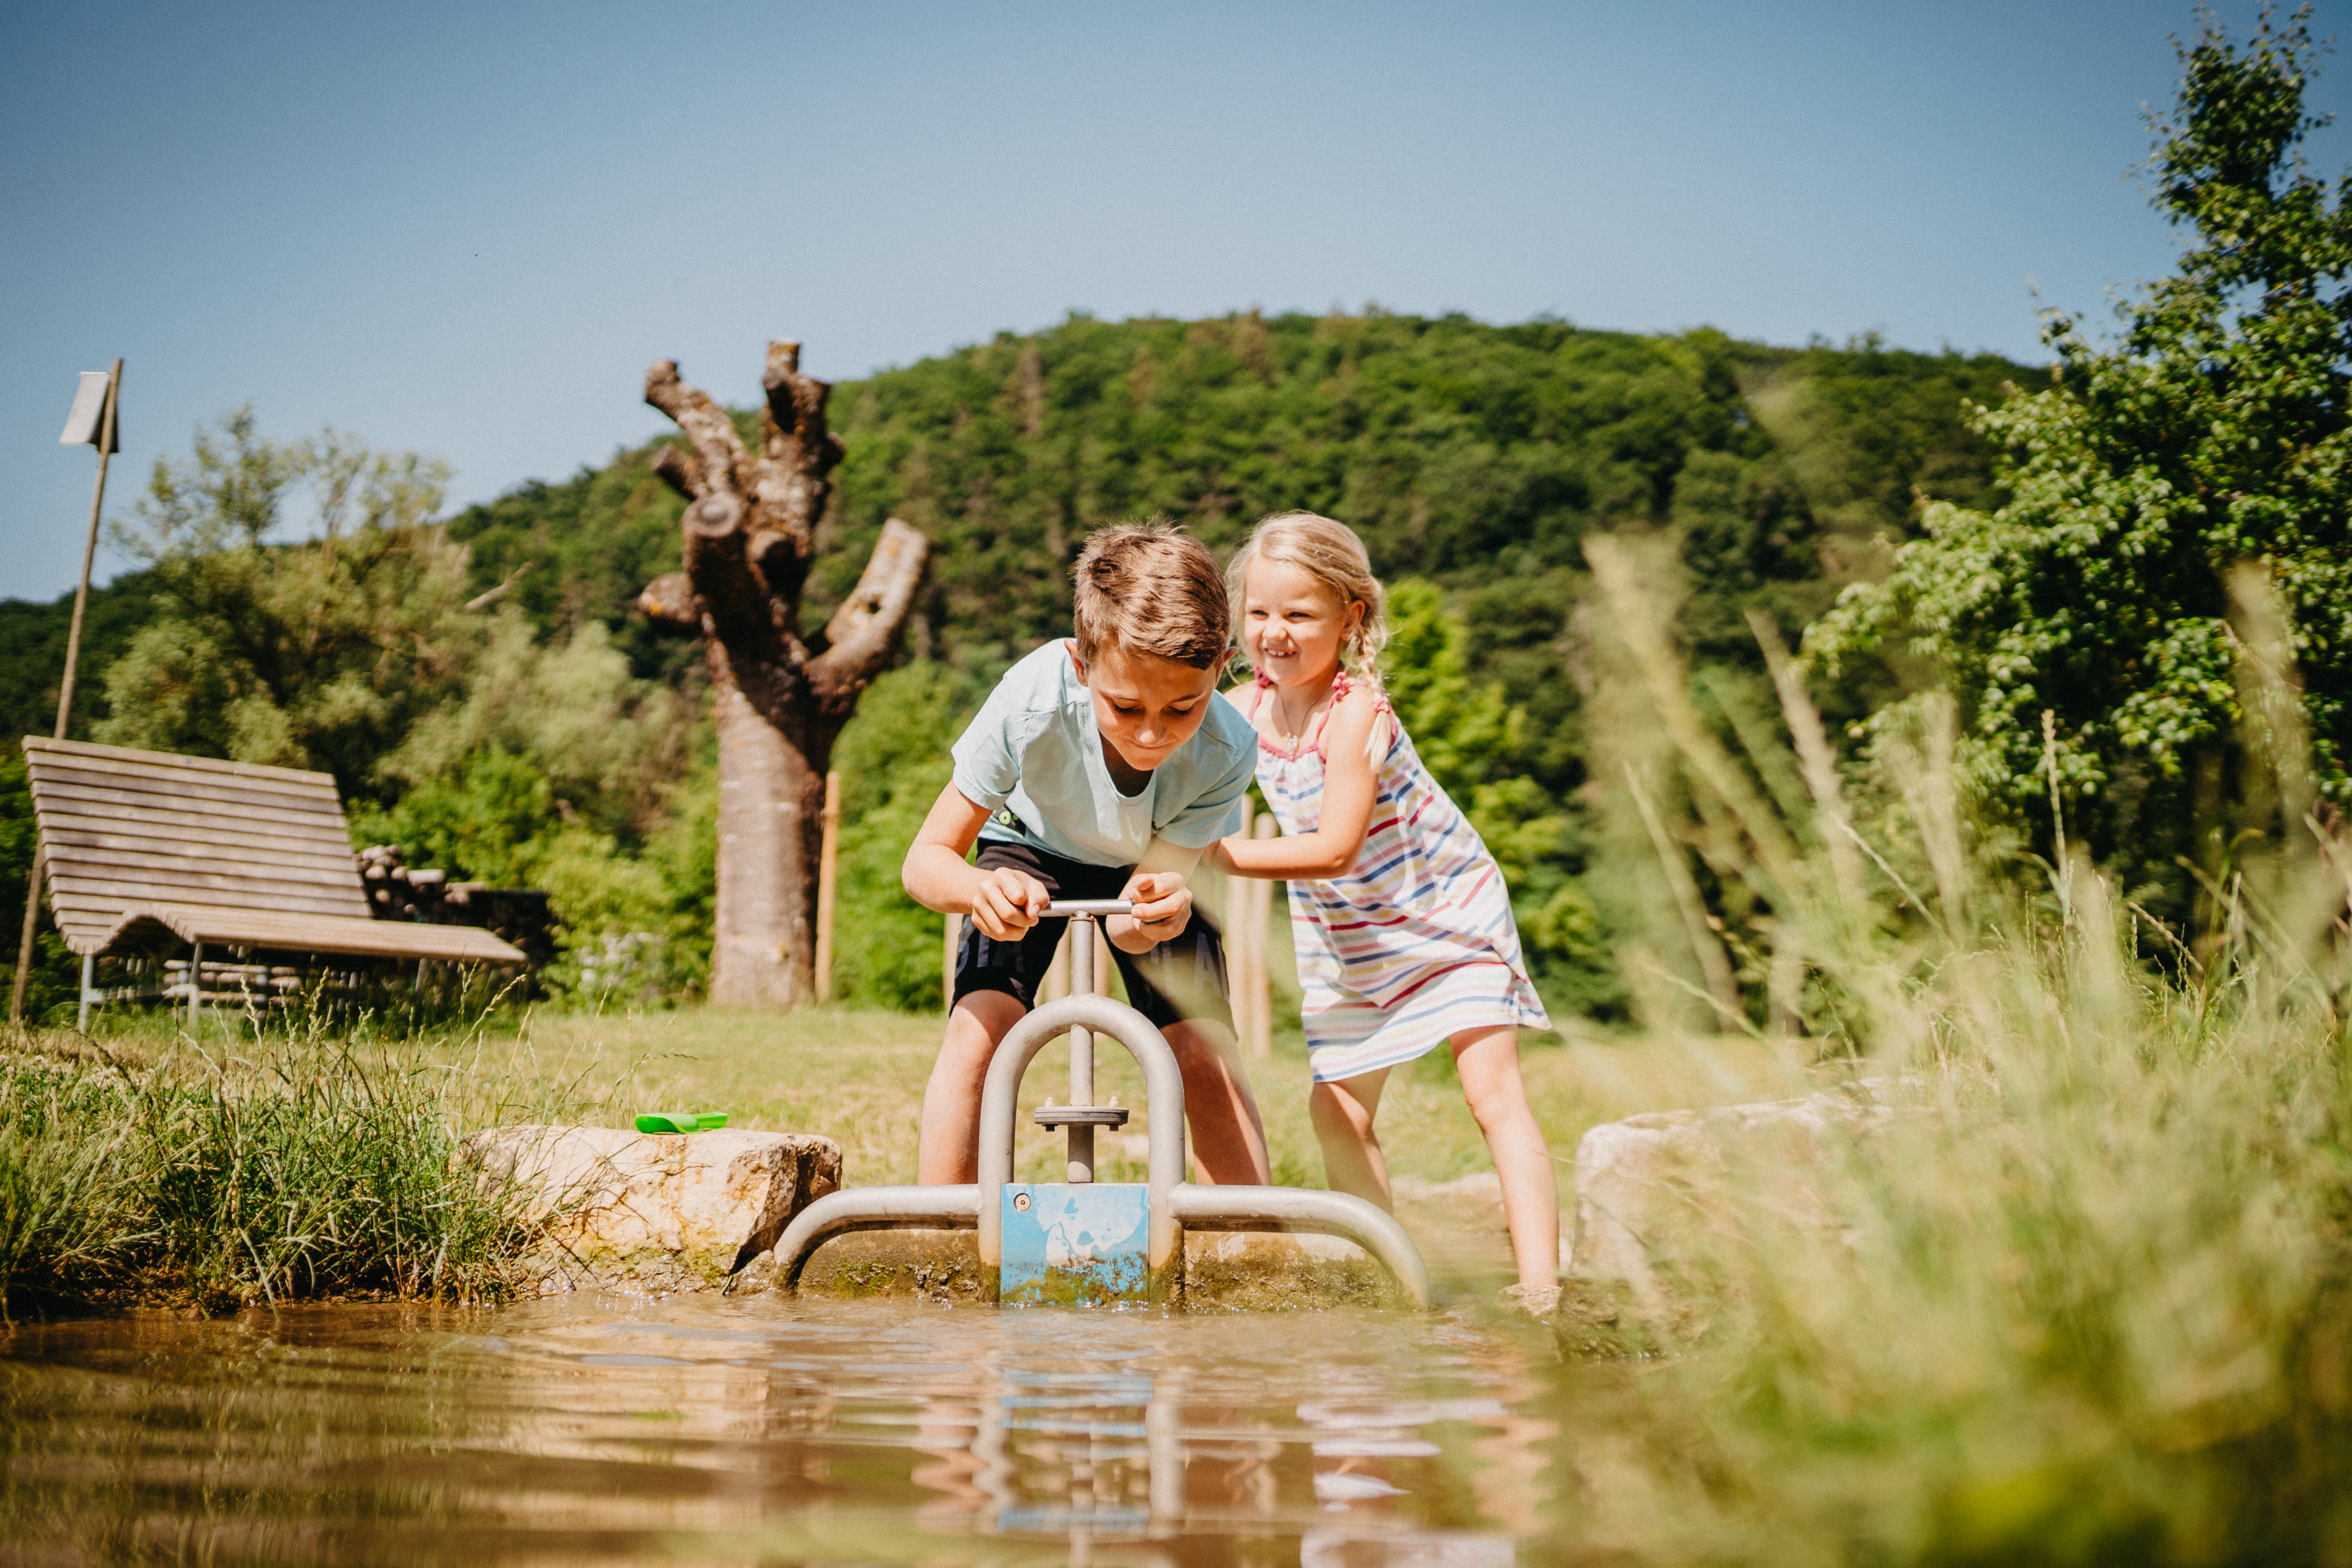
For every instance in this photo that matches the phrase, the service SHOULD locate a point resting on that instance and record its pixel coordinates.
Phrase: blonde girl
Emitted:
(1402, 923)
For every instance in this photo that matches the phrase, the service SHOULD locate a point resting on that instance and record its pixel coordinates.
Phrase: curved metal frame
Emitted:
(1306, 1209)
(1163, 1087)
(1175, 1202)
(872, 1208)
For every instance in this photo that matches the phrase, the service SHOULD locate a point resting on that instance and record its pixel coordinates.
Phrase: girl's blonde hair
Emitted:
(1331, 553)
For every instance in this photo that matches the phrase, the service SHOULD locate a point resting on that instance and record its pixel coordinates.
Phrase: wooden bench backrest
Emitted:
(122, 827)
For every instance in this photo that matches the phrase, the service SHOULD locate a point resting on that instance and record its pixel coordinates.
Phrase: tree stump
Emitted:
(780, 697)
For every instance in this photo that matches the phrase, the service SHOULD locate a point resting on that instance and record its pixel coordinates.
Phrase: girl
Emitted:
(1402, 926)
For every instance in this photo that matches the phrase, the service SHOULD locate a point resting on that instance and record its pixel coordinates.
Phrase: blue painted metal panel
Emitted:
(1079, 1244)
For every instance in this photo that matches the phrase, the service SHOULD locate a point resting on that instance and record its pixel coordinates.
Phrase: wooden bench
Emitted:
(151, 852)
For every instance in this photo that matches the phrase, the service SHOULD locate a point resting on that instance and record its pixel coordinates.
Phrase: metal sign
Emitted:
(84, 425)
(1076, 1245)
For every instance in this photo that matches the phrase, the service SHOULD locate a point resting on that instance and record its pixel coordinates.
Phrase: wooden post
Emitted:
(1241, 953)
(1261, 933)
(106, 440)
(1057, 973)
(827, 856)
(948, 960)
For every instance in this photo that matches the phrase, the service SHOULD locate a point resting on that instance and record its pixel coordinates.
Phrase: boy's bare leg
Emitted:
(1342, 1114)
(949, 1151)
(1228, 1138)
(1488, 1062)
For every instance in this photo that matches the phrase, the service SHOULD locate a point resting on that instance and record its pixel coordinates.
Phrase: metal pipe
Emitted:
(1079, 1167)
(871, 1208)
(1164, 1086)
(1301, 1209)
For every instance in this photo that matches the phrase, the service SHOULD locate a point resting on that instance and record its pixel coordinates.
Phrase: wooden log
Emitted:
(826, 880)
(1057, 973)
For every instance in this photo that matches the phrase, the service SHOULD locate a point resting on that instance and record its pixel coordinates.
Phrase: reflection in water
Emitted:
(706, 1431)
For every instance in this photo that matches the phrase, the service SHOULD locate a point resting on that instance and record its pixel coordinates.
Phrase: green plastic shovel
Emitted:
(680, 1121)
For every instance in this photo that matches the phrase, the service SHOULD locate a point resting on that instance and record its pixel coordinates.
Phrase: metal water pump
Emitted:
(1079, 1240)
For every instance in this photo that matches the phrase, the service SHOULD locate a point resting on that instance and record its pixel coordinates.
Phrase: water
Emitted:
(592, 1431)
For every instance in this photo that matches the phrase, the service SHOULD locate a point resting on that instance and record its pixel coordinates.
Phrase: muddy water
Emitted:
(706, 1431)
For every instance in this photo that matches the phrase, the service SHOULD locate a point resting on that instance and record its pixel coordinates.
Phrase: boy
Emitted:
(1101, 767)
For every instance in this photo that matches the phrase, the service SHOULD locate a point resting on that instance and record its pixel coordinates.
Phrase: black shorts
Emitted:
(1180, 979)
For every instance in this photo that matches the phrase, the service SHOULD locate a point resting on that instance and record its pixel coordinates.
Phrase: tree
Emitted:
(319, 654)
(780, 699)
(2214, 433)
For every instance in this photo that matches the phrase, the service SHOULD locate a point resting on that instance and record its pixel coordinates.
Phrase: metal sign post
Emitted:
(96, 409)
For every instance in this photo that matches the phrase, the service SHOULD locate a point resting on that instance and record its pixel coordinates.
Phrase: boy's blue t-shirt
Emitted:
(1032, 757)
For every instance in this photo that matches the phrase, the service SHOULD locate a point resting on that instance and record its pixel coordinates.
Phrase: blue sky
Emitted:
(466, 229)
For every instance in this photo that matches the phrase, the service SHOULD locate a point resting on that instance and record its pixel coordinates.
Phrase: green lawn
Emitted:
(857, 1078)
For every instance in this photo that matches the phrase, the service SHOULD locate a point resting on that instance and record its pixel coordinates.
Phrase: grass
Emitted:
(857, 1078)
(2088, 1298)
(159, 1169)
(217, 1170)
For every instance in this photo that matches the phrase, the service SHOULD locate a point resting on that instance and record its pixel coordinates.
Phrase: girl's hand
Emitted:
(1005, 903)
(1163, 908)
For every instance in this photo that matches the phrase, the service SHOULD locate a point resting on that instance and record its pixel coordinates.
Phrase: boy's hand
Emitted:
(1163, 905)
(1007, 902)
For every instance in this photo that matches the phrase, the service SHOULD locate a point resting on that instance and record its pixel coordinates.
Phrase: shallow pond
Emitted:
(700, 1429)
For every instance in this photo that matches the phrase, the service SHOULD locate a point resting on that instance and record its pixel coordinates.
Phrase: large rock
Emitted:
(663, 1213)
(1655, 1192)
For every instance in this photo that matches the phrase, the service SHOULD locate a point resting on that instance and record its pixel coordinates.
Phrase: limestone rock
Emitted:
(1651, 1188)
(664, 1213)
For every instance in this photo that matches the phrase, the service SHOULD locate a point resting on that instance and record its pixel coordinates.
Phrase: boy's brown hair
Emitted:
(1148, 588)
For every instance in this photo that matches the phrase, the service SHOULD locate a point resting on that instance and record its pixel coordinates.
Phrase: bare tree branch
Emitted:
(798, 451)
(867, 626)
(718, 559)
(483, 601)
(675, 467)
(720, 449)
(669, 603)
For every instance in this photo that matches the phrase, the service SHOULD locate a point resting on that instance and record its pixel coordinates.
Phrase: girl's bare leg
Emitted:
(1228, 1138)
(1488, 1063)
(1342, 1114)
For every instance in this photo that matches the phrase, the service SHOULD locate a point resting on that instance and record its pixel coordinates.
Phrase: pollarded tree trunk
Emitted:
(781, 698)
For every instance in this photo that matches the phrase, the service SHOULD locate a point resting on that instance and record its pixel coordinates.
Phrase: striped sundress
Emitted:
(1417, 943)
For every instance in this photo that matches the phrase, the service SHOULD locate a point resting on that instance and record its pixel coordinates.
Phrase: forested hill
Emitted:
(1475, 455)
(542, 740)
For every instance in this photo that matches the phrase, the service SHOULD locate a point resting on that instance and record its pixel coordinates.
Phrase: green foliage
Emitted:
(2058, 1270)
(1473, 458)
(315, 655)
(452, 726)
(579, 551)
(1461, 732)
(893, 761)
(2216, 431)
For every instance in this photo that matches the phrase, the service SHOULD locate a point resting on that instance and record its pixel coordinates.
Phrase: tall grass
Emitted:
(2088, 1298)
(301, 1167)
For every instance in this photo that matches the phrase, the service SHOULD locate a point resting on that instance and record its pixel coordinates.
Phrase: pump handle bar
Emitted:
(1095, 907)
